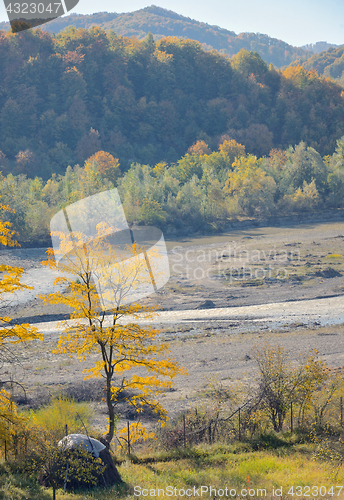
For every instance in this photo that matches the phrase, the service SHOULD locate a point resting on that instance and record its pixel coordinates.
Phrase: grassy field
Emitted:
(182, 473)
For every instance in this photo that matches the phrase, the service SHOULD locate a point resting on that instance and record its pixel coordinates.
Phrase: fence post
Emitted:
(128, 430)
(341, 411)
(239, 424)
(291, 417)
(66, 430)
(184, 431)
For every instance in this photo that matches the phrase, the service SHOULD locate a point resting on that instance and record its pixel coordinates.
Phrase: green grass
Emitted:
(219, 466)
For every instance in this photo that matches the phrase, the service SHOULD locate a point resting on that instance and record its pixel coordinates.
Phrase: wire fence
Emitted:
(196, 427)
(238, 425)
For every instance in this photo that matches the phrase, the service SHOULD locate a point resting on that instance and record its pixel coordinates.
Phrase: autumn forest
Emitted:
(189, 137)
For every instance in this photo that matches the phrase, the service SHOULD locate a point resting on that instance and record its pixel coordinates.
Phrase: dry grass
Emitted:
(215, 466)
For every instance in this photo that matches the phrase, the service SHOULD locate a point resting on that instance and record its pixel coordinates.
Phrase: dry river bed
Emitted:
(226, 294)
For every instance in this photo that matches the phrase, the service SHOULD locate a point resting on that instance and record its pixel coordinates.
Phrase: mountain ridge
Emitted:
(328, 64)
(162, 22)
(318, 47)
(86, 91)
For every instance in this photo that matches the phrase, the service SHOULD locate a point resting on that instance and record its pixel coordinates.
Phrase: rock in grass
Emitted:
(80, 440)
(329, 272)
(207, 304)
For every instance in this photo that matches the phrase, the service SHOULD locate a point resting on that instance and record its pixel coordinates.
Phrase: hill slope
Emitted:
(329, 63)
(161, 22)
(319, 47)
(85, 91)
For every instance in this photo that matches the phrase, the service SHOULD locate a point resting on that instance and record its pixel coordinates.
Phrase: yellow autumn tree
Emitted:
(252, 189)
(107, 165)
(199, 148)
(99, 280)
(232, 149)
(10, 281)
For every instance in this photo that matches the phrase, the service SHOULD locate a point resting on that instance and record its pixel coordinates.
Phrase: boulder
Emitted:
(80, 440)
(329, 272)
(207, 304)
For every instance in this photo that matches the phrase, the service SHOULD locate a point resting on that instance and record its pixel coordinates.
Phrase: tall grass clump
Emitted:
(42, 428)
(60, 415)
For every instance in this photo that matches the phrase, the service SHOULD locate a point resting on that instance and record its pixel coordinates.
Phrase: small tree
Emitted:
(199, 148)
(232, 149)
(131, 434)
(122, 344)
(107, 165)
(250, 186)
(10, 282)
(281, 383)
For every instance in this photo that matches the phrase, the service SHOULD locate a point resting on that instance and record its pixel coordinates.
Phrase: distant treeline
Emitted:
(65, 97)
(162, 23)
(199, 192)
(329, 63)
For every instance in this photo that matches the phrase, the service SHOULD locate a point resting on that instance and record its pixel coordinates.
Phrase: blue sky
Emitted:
(295, 21)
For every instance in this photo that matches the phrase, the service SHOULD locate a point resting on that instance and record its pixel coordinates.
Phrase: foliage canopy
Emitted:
(122, 343)
(84, 91)
(10, 281)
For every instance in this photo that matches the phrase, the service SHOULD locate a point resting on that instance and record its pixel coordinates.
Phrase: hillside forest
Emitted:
(201, 192)
(162, 22)
(190, 137)
(329, 63)
(65, 97)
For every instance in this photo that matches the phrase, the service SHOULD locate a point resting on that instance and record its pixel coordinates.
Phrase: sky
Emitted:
(297, 22)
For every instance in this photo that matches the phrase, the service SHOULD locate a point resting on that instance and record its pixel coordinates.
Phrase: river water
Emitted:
(322, 311)
(327, 311)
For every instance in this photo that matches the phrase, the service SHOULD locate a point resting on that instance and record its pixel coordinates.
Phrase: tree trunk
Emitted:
(281, 417)
(274, 420)
(111, 412)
